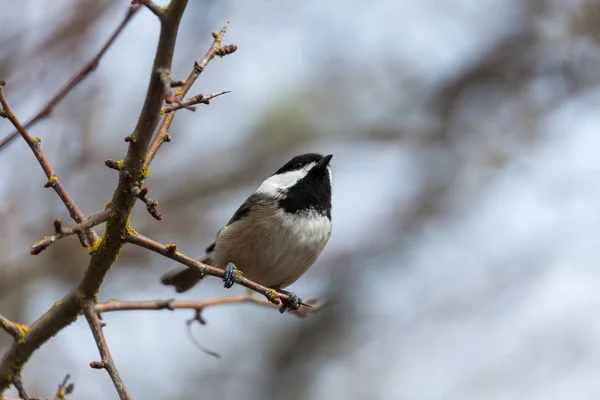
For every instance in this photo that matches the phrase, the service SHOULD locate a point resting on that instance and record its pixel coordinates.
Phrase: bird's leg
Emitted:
(292, 303)
(231, 273)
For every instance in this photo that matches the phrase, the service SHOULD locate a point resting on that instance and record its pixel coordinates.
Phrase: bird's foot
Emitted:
(231, 274)
(292, 303)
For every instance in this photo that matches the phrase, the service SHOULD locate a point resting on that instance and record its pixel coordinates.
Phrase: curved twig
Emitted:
(76, 80)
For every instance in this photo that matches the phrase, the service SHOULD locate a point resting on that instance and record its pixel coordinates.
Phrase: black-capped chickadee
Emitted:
(277, 233)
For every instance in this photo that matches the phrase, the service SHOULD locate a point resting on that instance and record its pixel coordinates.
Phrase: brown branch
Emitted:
(88, 307)
(165, 78)
(170, 251)
(60, 232)
(150, 5)
(76, 80)
(17, 331)
(53, 181)
(150, 204)
(177, 83)
(171, 304)
(16, 379)
(105, 251)
(187, 104)
(64, 388)
(215, 49)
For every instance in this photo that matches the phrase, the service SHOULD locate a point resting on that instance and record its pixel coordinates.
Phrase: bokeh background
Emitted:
(466, 142)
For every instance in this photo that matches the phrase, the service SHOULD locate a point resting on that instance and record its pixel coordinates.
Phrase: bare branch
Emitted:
(105, 252)
(76, 80)
(187, 104)
(215, 49)
(150, 5)
(106, 359)
(177, 83)
(53, 181)
(165, 78)
(64, 388)
(19, 386)
(170, 251)
(171, 304)
(17, 331)
(150, 204)
(92, 221)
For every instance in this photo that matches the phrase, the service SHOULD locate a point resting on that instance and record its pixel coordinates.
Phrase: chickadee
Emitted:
(277, 233)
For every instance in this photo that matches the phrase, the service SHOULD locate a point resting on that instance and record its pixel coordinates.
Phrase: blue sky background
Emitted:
(463, 260)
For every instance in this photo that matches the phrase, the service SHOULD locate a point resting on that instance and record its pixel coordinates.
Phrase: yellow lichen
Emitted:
(94, 249)
(129, 229)
(58, 303)
(121, 164)
(162, 111)
(178, 92)
(145, 172)
(36, 140)
(106, 205)
(52, 180)
(22, 330)
(165, 8)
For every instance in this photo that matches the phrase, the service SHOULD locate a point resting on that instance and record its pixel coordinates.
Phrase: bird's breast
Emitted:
(273, 248)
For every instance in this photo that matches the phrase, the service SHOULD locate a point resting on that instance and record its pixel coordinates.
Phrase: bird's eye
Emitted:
(298, 165)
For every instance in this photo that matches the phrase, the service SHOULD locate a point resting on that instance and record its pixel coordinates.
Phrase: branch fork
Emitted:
(151, 205)
(78, 229)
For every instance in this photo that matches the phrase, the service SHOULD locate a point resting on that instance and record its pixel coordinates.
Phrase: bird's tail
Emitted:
(183, 278)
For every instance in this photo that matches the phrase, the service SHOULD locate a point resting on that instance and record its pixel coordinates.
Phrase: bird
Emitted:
(276, 235)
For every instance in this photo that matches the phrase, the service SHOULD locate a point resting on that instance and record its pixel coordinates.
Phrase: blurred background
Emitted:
(463, 259)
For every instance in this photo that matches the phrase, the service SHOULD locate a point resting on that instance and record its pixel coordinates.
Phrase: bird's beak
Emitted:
(325, 161)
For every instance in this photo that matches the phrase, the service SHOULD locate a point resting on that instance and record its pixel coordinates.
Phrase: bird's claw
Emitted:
(292, 303)
(231, 273)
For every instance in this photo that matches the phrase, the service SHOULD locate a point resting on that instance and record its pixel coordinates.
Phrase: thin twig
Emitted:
(216, 49)
(171, 304)
(152, 6)
(170, 251)
(177, 83)
(105, 252)
(17, 331)
(151, 205)
(165, 78)
(106, 362)
(61, 232)
(64, 388)
(19, 386)
(53, 181)
(80, 76)
(187, 104)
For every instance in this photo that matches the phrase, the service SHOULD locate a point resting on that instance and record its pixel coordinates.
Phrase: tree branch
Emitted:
(188, 104)
(60, 232)
(151, 205)
(34, 144)
(17, 331)
(155, 8)
(76, 80)
(19, 386)
(106, 362)
(215, 49)
(170, 251)
(105, 251)
(171, 304)
(64, 388)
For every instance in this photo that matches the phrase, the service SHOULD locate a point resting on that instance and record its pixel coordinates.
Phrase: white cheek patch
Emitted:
(275, 184)
(330, 175)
